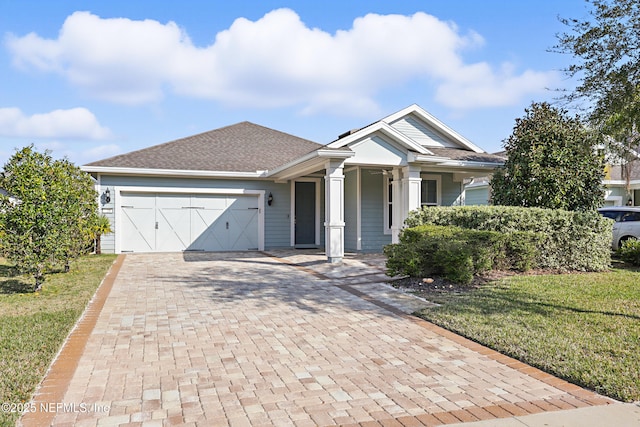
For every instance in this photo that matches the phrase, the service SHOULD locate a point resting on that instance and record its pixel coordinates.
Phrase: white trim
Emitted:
(308, 163)
(397, 207)
(98, 189)
(386, 182)
(411, 190)
(385, 129)
(633, 184)
(334, 210)
(292, 214)
(118, 190)
(171, 172)
(359, 208)
(438, 180)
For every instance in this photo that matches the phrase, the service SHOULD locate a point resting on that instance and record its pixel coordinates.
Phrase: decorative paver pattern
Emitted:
(249, 339)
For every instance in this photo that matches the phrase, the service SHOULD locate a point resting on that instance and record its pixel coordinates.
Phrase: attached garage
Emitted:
(171, 222)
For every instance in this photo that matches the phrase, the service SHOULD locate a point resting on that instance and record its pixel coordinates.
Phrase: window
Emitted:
(610, 214)
(630, 216)
(388, 201)
(430, 190)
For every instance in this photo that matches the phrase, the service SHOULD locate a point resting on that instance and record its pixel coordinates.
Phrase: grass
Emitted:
(33, 326)
(582, 327)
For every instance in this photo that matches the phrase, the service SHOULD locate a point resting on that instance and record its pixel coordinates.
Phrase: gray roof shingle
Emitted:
(243, 147)
(617, 172)
(466, 155)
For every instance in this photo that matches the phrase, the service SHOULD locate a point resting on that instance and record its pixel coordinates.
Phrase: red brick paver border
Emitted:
(52, 389)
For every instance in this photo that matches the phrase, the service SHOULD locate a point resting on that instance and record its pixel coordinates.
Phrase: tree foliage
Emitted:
(606, 48)
(47, 214)
(552, 162)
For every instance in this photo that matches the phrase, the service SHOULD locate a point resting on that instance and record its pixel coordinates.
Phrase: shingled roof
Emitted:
(243, 147)
(466, 155)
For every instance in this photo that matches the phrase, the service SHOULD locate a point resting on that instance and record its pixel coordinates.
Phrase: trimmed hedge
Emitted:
(566, 240)
(458, 254)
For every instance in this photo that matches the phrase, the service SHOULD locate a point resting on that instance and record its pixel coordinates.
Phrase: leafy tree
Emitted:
(47, 213)
(552, 162)
(79, 201)
(606, 48)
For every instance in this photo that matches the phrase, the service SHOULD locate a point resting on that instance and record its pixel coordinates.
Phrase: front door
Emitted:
(305, 214)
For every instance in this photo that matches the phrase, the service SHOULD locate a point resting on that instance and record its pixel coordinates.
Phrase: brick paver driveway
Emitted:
(247, 339)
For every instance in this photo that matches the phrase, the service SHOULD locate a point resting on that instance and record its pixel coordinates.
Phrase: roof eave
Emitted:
(109, 170)
(445, 161)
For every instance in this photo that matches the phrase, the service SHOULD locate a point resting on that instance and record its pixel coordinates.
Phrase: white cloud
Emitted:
(276, 61)
(101, 152)
(74, 123)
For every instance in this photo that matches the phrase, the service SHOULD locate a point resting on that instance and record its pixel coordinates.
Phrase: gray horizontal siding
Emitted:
(476, 196)
(351, 210)
(372, 205)
(451, 191)
(419, 132)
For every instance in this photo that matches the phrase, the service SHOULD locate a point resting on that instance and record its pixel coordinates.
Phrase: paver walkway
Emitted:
(250, 339)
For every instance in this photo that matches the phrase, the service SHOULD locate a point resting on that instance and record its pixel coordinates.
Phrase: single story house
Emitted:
(248, 187)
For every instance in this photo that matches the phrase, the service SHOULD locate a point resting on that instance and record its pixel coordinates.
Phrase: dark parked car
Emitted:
(627, 222)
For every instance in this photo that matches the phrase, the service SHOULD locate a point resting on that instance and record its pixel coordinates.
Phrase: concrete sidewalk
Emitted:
(207, 339)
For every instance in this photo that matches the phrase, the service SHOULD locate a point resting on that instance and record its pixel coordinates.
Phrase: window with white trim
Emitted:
(430, 190)
(388, 204)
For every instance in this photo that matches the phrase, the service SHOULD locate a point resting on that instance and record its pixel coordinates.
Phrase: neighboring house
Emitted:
(615, 183)
(477, 191)
(245, 187)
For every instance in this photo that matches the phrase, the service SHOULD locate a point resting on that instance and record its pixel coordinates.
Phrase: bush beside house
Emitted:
(500, 237)
(458, 254)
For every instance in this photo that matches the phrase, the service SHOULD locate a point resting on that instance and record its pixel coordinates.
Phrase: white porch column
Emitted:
(334, 210)
(411, 187)
(397, 195)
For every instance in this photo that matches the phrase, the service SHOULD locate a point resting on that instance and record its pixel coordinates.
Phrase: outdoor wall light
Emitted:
(107, 196)
(270, 199)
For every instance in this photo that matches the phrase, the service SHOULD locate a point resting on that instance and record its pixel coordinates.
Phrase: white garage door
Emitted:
(197, 222)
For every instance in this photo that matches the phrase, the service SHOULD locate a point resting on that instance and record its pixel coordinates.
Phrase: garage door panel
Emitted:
(215, 202)
(177, 222)
(140, 233)
(173, 201)
(138, 200)
(173, 232)
(201, 219)
(243, 228)
(208, 230)
(242, 202)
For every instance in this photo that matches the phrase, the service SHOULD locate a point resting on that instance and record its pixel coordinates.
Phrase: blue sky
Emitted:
(92, 79)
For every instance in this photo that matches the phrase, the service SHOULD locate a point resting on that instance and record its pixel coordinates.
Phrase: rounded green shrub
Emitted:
(630, 251)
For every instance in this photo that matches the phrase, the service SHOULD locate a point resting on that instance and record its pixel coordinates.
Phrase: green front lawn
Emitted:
(582, 327)
(34, 325)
